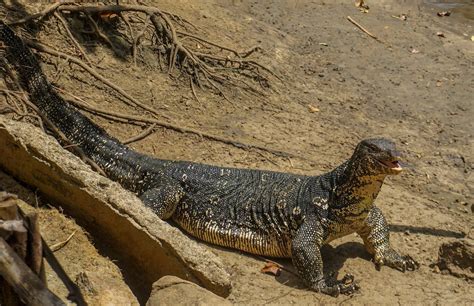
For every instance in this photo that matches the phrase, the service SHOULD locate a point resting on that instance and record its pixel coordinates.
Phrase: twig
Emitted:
(60, 245)
(71, 36)
(99, 32)
(361, 27)
(193, 90)
(140, 136)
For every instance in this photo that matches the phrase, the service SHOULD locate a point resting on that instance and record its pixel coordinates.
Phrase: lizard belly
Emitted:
(231, 234)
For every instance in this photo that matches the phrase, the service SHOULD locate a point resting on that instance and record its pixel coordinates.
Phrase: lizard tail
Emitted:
(91, 138)
(66, 118)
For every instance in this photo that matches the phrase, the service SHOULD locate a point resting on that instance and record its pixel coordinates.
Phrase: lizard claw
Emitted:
(348, 279)
(396, 261)
(345, 286)
(348, 285)
(410, 264)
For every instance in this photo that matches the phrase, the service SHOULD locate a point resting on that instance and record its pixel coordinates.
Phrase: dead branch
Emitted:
(25, 283)
(15, 274)
(35, 246)
(198, 38)
(136, 41)
(193, 90)
(361, 27)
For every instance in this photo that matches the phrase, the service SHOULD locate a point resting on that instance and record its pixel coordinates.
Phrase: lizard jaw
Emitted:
(393, 165)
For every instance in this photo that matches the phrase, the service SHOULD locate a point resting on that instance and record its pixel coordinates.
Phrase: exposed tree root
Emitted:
(214, 66)
(139, 120)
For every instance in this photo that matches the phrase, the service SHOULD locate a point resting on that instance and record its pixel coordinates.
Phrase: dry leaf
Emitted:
(271, 268)
(312, 109)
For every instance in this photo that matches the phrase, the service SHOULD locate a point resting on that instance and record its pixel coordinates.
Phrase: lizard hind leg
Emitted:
(163, 199)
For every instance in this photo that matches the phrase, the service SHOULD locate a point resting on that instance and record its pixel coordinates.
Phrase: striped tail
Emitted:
(117, 160)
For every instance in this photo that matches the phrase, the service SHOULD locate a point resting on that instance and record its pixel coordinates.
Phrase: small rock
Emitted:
(436, 270)
(407, 232)
(457, 258)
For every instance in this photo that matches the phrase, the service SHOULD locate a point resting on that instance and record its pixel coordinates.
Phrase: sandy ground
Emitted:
(410, 85)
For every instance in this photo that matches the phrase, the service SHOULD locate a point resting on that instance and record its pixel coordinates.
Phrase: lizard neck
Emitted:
(356, 188)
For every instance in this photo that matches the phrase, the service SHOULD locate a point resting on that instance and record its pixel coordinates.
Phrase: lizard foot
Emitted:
(394, 260)
(345, 286)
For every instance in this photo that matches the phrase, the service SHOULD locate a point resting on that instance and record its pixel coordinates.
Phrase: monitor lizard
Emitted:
(261, 212)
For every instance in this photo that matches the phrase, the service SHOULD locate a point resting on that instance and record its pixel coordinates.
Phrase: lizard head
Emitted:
(379, 156)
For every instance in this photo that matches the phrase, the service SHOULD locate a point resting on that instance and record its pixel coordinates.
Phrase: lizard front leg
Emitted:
(306, 255)
(376, 234)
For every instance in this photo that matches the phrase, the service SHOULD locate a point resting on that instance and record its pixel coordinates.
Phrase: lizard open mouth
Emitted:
(392, 164)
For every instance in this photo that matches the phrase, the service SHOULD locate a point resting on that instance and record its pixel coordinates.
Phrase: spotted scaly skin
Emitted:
(260, 212)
